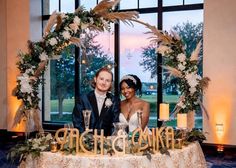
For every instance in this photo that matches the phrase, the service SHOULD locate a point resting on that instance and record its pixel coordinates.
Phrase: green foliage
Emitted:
(195, 135)
(30, 146)
(34, 146)
(190, 136)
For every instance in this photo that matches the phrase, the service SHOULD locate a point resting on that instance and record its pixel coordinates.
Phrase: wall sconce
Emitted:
(219, 129)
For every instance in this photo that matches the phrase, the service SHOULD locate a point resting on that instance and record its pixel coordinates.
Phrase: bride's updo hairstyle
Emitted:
(133, 82)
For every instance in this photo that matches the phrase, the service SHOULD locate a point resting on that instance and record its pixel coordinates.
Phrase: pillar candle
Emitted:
(164, 111)
(182, 120)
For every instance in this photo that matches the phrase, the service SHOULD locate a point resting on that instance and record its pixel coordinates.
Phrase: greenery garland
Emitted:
(35, 146)
(61, 30)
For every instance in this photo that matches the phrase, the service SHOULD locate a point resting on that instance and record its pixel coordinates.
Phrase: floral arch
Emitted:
(61, 30)
(65, 29)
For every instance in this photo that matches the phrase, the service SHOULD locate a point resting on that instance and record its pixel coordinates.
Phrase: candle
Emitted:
(164, 111)
(182, 120)
(53, 146)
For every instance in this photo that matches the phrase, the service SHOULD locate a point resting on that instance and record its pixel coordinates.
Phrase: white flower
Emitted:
(43, 56)
(35, 146)
(192, 79)
(25, 85)
(66, 34)
(84, 26)
(181, 57)
(163, 50)
(53, 41)
(181, 67)
(74, 27)
(91, 20)
(105, 23)
(192, 90)
(108, 102)
(29, 71)
(76, 20)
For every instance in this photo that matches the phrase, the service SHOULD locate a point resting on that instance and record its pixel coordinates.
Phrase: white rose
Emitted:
(192, 79)
(43, 56)
(76, 20)
(25, 85)
(66, 35)
(192, 90)
(53, 41)
(181, 57)
(74, 27)
(181, 67)
(108, 102)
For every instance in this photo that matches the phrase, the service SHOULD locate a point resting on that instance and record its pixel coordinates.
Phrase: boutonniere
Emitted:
(108, 102)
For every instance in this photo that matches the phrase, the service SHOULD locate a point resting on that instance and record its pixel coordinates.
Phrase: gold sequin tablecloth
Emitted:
(190, 156)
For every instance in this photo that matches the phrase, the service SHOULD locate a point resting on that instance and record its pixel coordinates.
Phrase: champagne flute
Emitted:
(86, 115)
(68, 126)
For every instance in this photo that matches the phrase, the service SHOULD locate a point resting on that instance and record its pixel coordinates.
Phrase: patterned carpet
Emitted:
(214, 160)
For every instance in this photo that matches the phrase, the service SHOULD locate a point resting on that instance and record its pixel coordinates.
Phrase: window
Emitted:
(131, 55)
(133, 46)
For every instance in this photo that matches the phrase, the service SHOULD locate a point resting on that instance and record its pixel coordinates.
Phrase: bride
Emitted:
(130, 86)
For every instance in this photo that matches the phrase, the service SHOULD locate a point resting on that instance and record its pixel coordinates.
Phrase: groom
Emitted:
(104, 106)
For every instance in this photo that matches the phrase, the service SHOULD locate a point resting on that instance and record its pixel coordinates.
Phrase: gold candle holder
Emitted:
(53, 146)
(179, 143)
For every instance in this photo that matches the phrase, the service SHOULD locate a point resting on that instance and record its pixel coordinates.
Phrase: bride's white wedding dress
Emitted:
(132, 123)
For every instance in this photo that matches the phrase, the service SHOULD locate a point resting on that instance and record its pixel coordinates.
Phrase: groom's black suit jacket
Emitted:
(108, 115)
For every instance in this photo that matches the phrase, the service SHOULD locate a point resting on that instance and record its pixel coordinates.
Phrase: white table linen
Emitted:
(190, 156)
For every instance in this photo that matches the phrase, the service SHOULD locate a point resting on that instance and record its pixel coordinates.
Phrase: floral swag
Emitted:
(182, 66)
(61, 30)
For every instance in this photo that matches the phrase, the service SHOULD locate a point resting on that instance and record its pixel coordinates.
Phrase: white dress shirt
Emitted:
(100, 100)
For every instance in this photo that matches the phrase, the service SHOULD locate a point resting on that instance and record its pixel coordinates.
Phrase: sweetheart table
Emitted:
(190, 156)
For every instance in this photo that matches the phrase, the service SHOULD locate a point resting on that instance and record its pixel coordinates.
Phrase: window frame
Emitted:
(160, 9)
